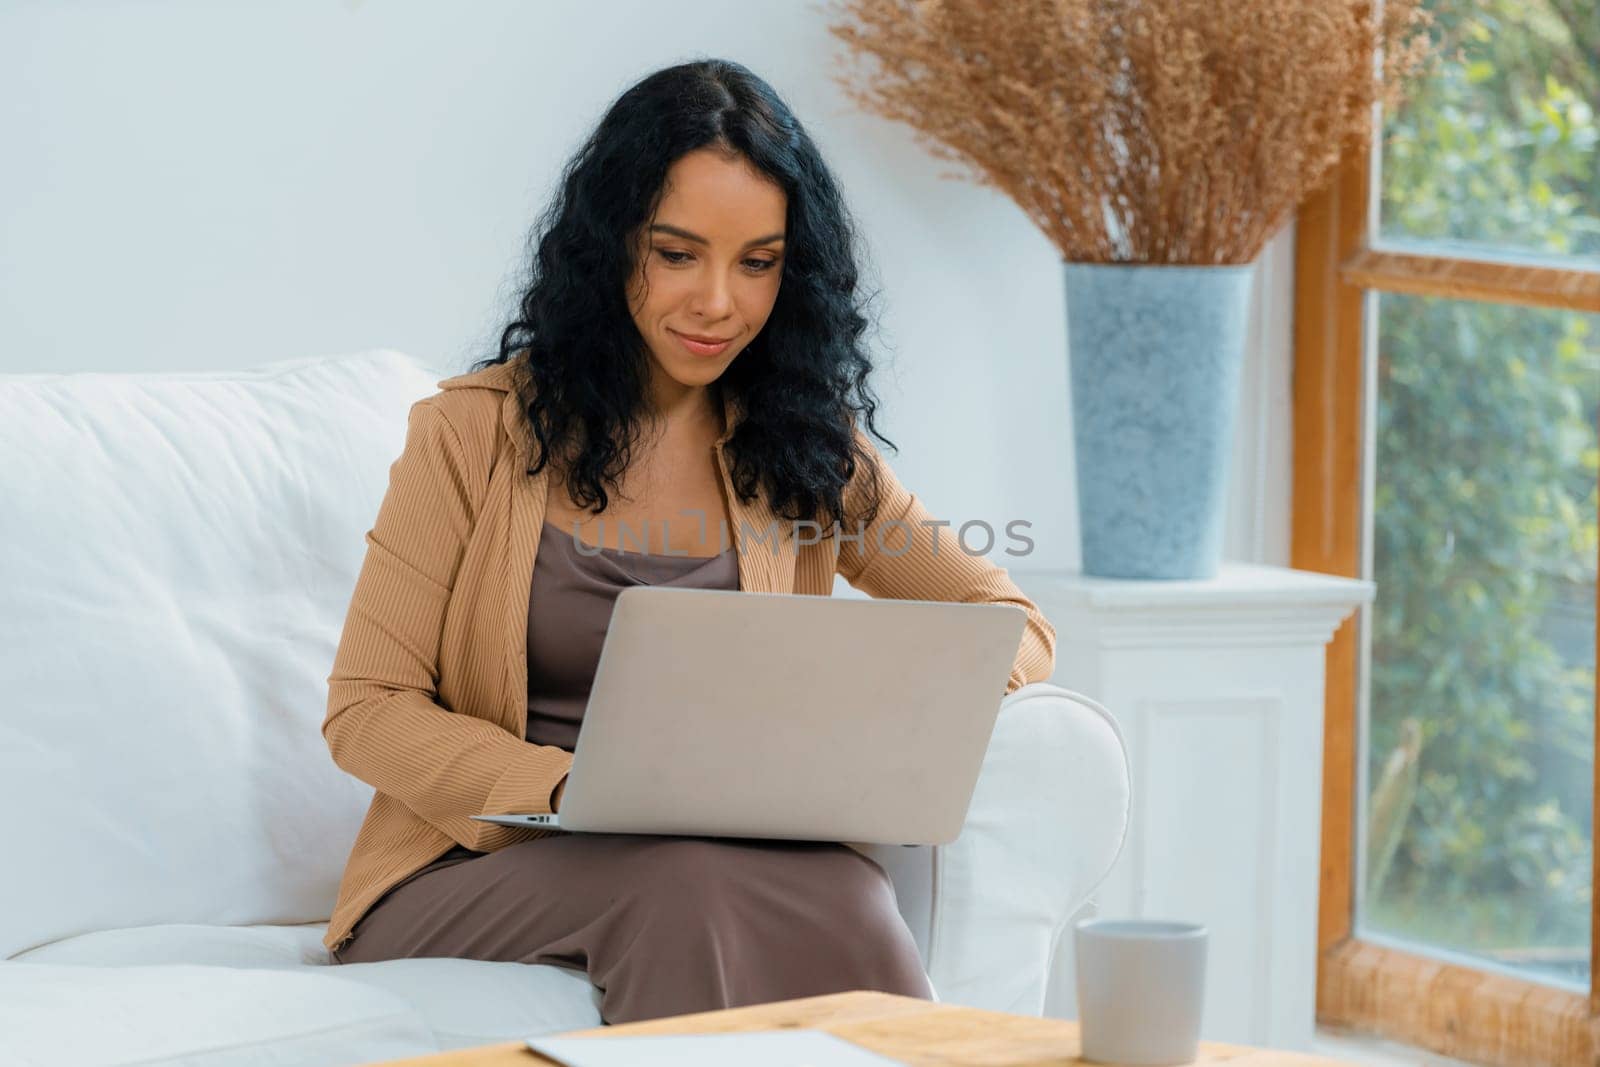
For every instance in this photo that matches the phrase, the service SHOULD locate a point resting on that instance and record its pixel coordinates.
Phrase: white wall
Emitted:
(197, 185)
(1258, 508)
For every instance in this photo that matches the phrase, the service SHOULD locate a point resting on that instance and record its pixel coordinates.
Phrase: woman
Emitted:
(684, 373)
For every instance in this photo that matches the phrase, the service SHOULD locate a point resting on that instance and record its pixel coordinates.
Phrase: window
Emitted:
(1479, 728)
(1447, 397)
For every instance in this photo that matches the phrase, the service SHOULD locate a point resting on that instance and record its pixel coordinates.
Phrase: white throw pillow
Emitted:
(177, 554)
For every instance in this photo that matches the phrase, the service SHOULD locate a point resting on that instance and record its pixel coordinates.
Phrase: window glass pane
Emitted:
(1497, 149)
(1480, 731)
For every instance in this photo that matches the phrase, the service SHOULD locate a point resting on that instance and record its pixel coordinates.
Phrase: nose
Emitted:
(713, 299)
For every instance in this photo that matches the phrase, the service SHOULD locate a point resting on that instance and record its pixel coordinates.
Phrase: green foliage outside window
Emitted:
(1481, 724)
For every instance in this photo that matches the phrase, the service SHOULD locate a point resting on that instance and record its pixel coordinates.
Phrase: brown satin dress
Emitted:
(661, 925)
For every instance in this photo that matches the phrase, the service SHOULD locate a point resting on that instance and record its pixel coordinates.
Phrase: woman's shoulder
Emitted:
(496, 378)
(475, 404)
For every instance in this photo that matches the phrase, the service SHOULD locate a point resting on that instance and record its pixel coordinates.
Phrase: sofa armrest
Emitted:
(1048, 817)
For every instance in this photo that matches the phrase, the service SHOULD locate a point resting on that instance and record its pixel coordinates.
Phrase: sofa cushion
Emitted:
(193, 943)
(180, 553)
(216, 1016)
(462, 1002)
(474, 1002)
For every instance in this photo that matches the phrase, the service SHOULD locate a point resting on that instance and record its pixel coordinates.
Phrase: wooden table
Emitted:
(903, 1028)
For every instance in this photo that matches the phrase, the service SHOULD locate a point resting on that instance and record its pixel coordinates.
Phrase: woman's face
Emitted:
(707, 268)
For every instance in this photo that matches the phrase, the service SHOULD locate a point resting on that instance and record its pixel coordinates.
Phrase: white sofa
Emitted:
(178, 554)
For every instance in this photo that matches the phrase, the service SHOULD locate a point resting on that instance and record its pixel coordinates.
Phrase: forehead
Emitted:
(721, 197)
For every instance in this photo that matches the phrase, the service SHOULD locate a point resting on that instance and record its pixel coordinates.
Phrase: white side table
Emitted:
(1218, 688)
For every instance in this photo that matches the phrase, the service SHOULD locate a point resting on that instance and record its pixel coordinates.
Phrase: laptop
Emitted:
(770, 715)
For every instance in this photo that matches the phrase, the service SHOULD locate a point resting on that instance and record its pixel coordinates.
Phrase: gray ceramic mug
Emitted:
(1141, 988)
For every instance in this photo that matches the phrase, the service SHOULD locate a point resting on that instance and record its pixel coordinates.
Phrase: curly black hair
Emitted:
(799, 383)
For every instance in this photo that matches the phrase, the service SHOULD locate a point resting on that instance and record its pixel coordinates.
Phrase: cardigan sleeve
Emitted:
(384, 723)
(902, 555)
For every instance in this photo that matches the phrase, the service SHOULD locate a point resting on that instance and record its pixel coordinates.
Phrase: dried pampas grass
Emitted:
(1138, 131)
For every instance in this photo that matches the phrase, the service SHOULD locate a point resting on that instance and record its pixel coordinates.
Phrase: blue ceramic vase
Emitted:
(1155, 357)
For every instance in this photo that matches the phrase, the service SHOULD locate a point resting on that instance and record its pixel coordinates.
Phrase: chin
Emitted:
(702, 375)
(695, 372)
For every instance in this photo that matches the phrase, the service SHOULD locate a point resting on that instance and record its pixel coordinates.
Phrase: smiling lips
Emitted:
(702, 346)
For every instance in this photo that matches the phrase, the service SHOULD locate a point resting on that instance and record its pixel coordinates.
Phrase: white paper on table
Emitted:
(771, 1048)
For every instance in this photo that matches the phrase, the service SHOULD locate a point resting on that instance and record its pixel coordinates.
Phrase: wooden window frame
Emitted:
(1456, 1010)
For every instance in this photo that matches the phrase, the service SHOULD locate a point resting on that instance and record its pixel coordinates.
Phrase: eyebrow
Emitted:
(661, 227)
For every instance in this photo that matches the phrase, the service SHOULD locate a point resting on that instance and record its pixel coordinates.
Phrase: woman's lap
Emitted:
(727, 921)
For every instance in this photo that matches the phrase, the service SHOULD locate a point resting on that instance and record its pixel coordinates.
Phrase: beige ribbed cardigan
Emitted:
(427, 701)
